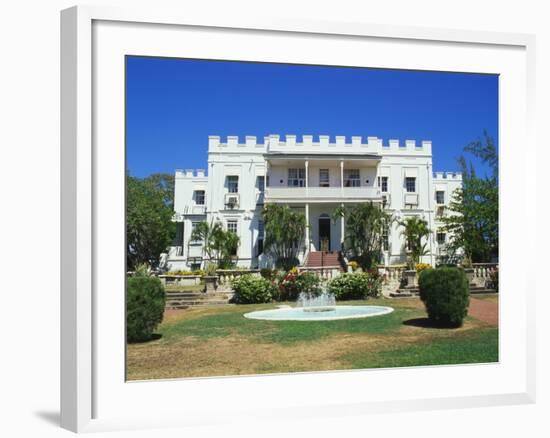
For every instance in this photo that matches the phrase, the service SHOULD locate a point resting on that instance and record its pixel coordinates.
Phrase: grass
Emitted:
(214, 341)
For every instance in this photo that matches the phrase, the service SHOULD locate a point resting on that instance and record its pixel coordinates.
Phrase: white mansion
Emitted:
(314, 177)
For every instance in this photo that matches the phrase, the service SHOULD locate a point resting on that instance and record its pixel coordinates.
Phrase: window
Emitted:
(260, 237)
(296, 178)
(441, 238)
(178, 240)
(233, 184)
(232, 226)
(410, 184)
(385, 239)
(260, 183)
(194, 225)
(352, 178)
(323, 178)
(199, 197)
(383, 184)
(440, 197)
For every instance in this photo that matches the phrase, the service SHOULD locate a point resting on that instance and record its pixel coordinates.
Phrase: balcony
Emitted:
(322, 194)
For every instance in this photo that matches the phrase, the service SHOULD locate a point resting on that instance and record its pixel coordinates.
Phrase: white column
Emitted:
(266, 173)
(307, 176)
(342, 177)
(431, 193)
(342, 230)
(307, 229)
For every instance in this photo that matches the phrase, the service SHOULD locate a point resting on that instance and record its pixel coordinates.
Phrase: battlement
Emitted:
(190, 173)
(448, 176)
(320, 144)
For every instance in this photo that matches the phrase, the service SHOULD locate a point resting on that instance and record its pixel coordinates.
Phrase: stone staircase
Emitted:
(181, 299)
(322, 259)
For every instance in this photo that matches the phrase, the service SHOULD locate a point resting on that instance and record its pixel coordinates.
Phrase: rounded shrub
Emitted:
(145, 302)
(250, 289)
(296, 282)
(355, 286)
(446, 294)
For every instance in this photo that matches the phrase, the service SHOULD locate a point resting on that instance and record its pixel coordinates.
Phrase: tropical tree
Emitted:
(415, 230)
(366, 225)
(219, 245)
(149, 226)
(285, 231)
(165, 184)
(473, 219)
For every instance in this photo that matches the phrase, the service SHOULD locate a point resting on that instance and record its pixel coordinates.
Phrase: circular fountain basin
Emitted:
(322, 314)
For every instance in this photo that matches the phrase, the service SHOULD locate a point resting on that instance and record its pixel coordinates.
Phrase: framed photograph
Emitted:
(253, 208)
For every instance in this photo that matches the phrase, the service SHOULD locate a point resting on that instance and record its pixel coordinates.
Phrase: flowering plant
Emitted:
(296, 282)
(422, 266)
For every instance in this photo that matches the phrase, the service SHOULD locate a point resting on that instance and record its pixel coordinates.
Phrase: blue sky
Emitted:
(174, 104)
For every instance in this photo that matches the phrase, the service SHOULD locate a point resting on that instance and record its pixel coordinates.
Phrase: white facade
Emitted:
(314, 177)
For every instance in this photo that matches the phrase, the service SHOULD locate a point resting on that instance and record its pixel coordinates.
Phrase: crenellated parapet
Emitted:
(275, 143)
(191, 173)
(444, 176)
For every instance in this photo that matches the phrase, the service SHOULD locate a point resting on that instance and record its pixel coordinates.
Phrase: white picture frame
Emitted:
(91, 392)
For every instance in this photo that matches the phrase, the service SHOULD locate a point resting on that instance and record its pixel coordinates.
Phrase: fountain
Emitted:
(310, 307)
(321, 303)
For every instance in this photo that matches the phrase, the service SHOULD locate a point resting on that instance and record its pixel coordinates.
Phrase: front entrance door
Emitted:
(324, 234)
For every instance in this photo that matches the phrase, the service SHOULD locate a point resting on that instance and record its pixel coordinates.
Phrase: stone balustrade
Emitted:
(484, 270)
(180, 280)
(226, 276)
(392, 272)
(324, 272)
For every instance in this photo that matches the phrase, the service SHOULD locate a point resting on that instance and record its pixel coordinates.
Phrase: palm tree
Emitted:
(365, 226)
(284, 234)
(218, 244)
(414, 230)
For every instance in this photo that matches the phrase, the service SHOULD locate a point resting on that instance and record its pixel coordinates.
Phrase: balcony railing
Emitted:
(320, 193)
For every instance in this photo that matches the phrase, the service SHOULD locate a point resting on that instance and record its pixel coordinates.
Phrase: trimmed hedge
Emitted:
(446, 294)
(355, 286)
(250, 289)
(145, 302)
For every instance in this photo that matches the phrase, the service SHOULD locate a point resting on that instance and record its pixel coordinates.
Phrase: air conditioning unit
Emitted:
(411, 199)
(231, 201)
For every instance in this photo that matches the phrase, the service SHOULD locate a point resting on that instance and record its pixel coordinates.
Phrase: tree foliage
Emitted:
(473, 222)
(284, 234)
(145, 301)
(416, 233)
(219, 245)
(365, 225)
(446, 294)
(149, 226)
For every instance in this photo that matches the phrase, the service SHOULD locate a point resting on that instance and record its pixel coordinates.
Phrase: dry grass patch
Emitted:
(219, 341)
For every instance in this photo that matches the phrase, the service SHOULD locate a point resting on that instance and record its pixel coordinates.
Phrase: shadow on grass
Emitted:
(428, 323)
(154, 337)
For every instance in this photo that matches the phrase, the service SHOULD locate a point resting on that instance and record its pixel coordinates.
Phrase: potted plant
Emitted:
(210, 278)
(415, 229)
(410, 273)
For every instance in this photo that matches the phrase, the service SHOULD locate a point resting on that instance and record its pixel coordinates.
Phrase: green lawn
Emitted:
(218, 341)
